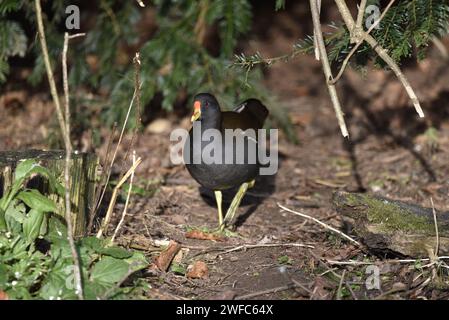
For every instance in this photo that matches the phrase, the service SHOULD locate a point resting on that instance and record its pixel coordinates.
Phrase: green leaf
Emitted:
(32, 224)
(109, 270)
(35, 200)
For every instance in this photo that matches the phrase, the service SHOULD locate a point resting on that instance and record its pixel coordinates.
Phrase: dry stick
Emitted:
(361, 263)
(350, 24)
(107, 218)
(327, 69)
(360, 41)
(51, 79)
(320, 223)
(68, 153)
(102, 178)
(315, 41)
(109, 170)
(128, 196)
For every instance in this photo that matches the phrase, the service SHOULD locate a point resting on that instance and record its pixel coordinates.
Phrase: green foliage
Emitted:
(175, 59)
(406, 30)
(28, 270)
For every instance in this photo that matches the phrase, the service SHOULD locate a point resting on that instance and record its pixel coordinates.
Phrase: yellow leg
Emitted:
(236, 201)
(218, 198)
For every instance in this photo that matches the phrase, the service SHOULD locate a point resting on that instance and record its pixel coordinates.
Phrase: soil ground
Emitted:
(390, 153)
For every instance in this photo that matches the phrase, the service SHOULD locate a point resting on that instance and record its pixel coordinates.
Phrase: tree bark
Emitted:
(385, 224)
(83, 176)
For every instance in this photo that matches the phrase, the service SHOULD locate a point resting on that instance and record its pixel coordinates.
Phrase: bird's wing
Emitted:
(253, 108)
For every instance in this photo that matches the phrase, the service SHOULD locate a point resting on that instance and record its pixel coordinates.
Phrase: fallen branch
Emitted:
(391, 225)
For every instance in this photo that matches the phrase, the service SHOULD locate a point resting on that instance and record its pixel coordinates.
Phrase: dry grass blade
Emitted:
(108, 216)
(128, 196)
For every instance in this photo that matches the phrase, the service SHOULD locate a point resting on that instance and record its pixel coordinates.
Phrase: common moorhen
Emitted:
(216, 175)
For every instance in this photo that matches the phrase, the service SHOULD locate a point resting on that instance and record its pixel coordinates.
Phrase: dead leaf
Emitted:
(200, 235)
(3, 295)
(165, 258)
(198, 270)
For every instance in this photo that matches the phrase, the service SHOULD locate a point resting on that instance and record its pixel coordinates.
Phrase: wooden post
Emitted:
(83, 180)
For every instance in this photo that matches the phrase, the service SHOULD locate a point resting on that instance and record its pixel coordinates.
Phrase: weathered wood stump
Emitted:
(83, 178)
(386, 224)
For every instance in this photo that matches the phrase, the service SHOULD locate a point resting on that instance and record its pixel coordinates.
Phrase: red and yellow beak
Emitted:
(196, 111)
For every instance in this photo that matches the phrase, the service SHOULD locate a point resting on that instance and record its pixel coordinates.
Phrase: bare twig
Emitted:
(128, 196)
(48, 67)
(363, 263)
(320, 223)
(68, 153)
(360, 41)
(327, 68)
(361, 13)
(350, 24)
(107, 218)
(315, 39)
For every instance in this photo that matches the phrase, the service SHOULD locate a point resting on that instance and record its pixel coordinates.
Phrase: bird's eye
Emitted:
(207, 103)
